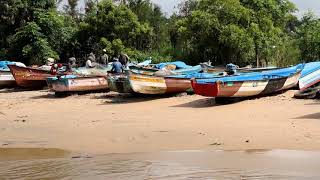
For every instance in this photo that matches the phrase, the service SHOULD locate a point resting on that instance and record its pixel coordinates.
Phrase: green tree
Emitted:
(309, 37)
(113, 22)
(33, 31)
(238, 31)
(32, 44)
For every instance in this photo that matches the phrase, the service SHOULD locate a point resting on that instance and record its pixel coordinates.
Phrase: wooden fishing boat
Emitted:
(30, 77)
(73, 83)
(251, 84)
(119, 83)
(6, 79)
(158, 85)
(310, 75)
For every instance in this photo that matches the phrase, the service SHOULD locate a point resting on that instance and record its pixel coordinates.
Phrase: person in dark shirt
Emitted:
(116, 66)
(124, 59)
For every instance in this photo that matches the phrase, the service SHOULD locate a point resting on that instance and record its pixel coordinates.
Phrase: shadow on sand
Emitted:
(130, 98)
(310, 116)
(209, 102)
(16, 89)
(212, 102)
(57, 95)
(46, 96)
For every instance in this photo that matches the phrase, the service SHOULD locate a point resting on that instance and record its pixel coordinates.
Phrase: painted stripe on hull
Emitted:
(246, 88)
(148, 85)
(309, 80)
(228, 89)
(291, 81)
(8, 77)
(158, 85)
(273, 86)
(251, 88)
(80, 84)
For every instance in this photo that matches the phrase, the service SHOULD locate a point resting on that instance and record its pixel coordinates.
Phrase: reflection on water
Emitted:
(277, 164)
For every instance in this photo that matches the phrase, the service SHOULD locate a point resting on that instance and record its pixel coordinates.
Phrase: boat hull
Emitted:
(119, 83)
(309, 79)
(6, 79)
(158, 85)
(29, 77)
(79, 84)
(245, 88)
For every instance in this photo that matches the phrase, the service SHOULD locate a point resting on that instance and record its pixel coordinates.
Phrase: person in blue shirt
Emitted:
(116, 66)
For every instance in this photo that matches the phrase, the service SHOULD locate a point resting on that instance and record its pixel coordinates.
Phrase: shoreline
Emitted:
(104, 123)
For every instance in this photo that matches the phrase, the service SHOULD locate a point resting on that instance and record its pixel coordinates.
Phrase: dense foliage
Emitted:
(256, 32)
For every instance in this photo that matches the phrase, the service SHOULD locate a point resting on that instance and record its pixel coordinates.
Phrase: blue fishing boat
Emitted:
(310, 75)
(249, 84)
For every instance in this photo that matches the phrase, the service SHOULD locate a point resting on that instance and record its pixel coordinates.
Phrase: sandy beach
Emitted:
(111, 123)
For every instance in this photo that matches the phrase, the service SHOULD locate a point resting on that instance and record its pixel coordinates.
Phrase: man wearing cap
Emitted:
(104, 58)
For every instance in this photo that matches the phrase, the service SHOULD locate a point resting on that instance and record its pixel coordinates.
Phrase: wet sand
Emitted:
(109, 123)
(177, 165)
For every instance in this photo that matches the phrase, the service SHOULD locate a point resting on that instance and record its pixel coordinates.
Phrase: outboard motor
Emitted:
(231, 69)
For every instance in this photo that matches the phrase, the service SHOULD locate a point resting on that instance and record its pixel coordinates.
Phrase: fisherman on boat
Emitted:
(124, 59)
(48, 65)
(117, 67)
(71, 64)
(91, 62)
(104, 58)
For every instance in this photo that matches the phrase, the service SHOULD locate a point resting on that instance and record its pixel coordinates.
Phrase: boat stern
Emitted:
(205, 89)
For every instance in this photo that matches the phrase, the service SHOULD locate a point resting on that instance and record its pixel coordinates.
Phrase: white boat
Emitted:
(310, 75)
(71, 83)
(6, 79)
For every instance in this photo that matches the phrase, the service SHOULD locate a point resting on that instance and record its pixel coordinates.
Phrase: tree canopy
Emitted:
(244, 32)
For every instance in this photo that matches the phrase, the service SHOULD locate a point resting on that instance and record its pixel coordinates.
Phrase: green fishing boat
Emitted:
(119, 83)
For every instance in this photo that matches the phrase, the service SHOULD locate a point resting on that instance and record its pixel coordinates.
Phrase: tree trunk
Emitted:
(257, 57)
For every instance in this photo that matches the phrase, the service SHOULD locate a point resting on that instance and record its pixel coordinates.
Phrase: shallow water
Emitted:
(54, 164)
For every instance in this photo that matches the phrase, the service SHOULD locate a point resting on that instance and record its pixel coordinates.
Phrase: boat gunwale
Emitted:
(78, 77)
(267, 79)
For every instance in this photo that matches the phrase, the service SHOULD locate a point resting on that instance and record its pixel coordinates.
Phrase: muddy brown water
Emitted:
(254, 164)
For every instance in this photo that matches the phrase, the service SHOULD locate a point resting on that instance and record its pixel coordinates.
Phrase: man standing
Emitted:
(105, 58)
(124, 59)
